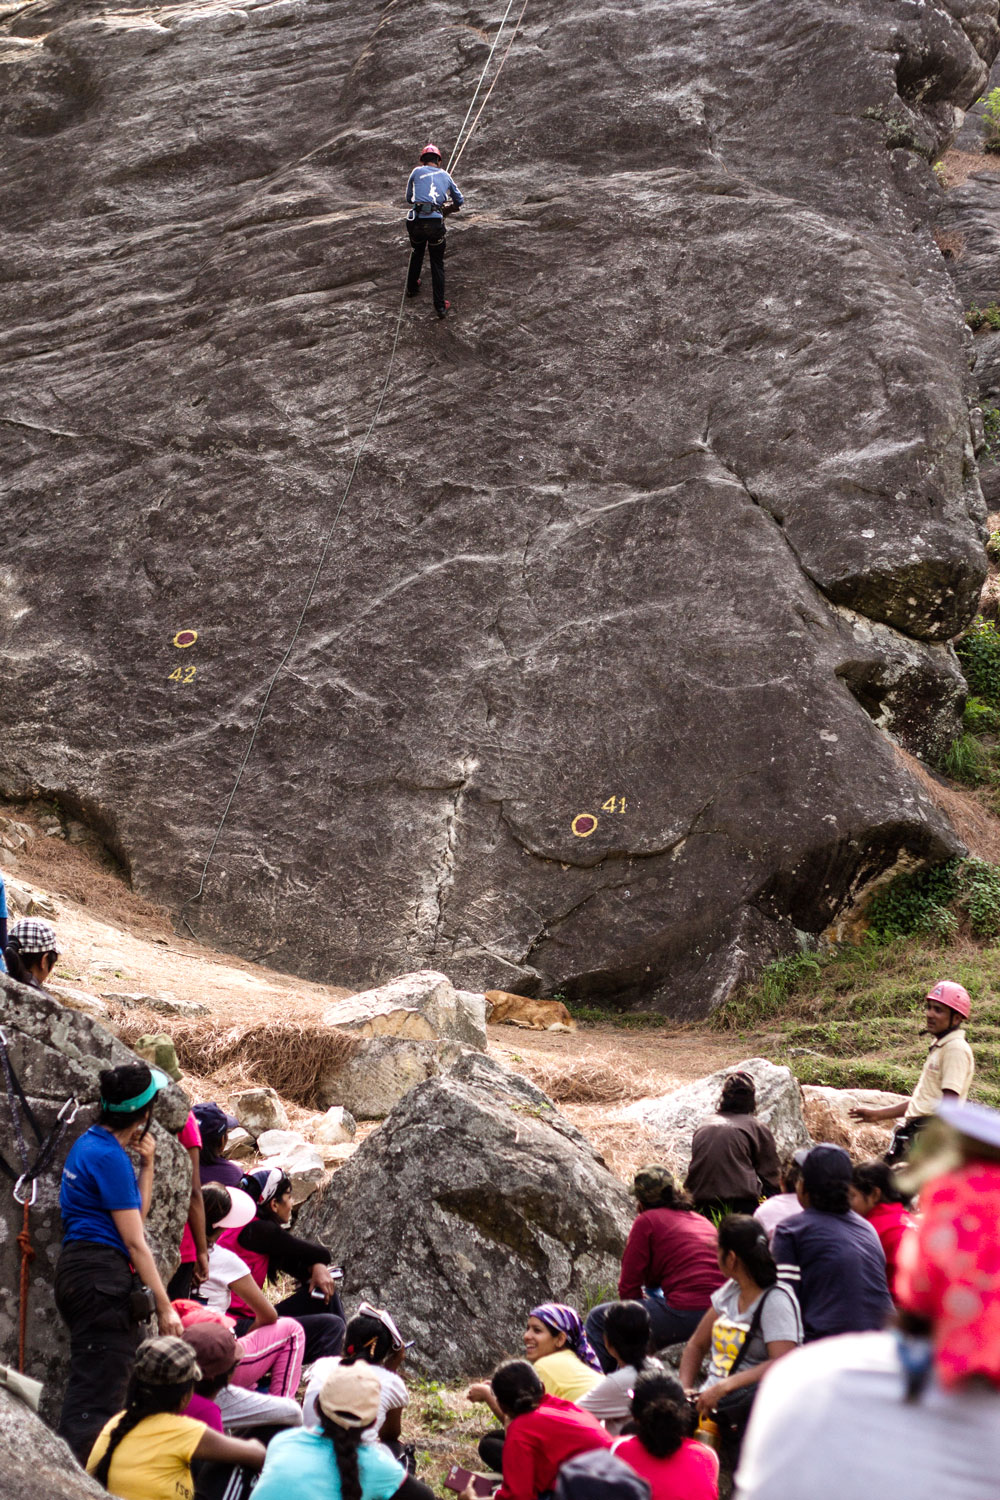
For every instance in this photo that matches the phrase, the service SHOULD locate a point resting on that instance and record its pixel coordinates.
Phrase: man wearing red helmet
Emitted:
(947, 1073)
(431, 194)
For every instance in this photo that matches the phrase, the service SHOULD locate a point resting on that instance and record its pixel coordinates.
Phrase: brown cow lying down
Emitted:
(534, 1015)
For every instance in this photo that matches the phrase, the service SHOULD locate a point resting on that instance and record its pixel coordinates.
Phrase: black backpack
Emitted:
(599, 1475)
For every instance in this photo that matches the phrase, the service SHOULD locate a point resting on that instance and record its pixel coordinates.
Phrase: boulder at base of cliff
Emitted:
(475, 1201)
(372, 1079)
(57, 1054)
(424, 1007)
(34, 1463)
(673, 1119)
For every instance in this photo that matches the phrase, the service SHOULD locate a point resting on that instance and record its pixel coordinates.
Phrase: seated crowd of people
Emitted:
(239, 1394)
(827, 1333)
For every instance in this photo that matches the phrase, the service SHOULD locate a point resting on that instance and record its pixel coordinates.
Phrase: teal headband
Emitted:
(157, 1082)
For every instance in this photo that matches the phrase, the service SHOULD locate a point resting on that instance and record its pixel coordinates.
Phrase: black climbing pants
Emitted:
(429, 233)
(93, 1288)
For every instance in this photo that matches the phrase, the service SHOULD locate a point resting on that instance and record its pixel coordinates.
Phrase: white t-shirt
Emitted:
(394, 1395)
(224, 1267)
(830, 1423)
(611, 1399)
(774, 1211)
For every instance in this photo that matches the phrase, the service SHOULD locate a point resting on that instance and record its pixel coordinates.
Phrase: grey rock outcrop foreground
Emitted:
(658, 532)
(474, 1201)
(673, 1119)
(57, 1053)
(34, 1463)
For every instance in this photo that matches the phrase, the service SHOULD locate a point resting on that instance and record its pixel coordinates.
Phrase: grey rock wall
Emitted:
(58, 1054)
(659, 533)
(34, 1463)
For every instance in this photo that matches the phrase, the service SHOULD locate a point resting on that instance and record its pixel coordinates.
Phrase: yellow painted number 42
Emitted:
(183, 674)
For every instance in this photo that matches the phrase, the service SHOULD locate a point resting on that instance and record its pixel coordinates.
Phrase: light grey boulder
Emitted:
(424, 1007)
(373, 1079)
(305, 1168)
(57, 1054)
(34, 1463)
(166, 1003)
(473, 1202)
(672, 1120)
(258, 1110)
(239, 1145)
(78, 999)
(279, 1142)
(336, 1128)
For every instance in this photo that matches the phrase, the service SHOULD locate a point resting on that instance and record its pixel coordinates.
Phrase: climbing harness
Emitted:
(25, 1189)
(458, 149)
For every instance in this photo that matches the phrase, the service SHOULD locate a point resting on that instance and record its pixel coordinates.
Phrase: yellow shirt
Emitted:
(563, 1374)
(153, 1461)
(950, 1065)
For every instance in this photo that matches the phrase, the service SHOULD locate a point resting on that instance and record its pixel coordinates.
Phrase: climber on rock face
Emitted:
(431, 194)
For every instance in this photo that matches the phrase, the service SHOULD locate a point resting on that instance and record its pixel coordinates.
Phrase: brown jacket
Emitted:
(733, 1156)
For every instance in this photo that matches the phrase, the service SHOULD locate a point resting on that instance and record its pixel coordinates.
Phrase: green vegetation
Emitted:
(979, 653)
(625, 1020)
(991, 121)
(853, 1018)
(973, 758)
(983, 317)
(433, 1412)
(991, 430)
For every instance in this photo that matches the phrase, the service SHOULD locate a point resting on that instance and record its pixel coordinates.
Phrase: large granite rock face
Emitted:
(472, 1203)
(57, 1054)
(658, 533)
(34, 1463)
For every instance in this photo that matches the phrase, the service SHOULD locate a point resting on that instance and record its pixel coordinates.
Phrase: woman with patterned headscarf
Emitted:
(556, 1343)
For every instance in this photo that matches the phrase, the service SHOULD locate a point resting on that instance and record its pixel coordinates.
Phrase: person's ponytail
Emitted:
(141, 1401)
(747, 1240)
(662, 1413)
(346, 1441)
(517, 1387)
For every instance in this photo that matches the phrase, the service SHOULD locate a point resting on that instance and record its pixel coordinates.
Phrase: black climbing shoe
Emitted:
(413, 293)
(442, 312)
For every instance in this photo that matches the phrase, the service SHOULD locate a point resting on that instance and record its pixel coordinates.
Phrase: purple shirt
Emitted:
(226, 1172)
(204, 1410)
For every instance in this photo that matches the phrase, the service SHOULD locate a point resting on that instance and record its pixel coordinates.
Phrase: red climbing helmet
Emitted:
(952, 995)
(430, 150)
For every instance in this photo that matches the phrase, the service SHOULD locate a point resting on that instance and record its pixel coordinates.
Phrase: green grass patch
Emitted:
(625, 1020)
(854, 1018)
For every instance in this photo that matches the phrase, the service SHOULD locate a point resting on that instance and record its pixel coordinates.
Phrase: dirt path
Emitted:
(113, 941)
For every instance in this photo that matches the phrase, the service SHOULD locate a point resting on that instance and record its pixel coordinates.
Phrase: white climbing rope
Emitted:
(321, 562)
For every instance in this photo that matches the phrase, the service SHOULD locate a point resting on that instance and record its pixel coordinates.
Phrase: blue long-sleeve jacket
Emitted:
(428, 189)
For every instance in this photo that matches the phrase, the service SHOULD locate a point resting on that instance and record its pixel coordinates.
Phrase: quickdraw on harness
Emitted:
(25, 1189)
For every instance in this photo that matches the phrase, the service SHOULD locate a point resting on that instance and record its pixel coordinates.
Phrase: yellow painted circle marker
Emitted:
(583, 825)
(185, 638)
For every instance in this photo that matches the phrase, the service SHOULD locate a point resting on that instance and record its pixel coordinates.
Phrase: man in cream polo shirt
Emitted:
(947, 1073)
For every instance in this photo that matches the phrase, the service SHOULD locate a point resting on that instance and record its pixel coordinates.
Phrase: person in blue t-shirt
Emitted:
(431, 194)
(105, 1257)
(332, 1462)
(829, 1256)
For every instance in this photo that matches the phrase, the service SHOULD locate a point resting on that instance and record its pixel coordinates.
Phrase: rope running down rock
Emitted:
(317, 571)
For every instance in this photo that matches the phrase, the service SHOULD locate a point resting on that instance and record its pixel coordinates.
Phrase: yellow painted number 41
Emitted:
(613, 805)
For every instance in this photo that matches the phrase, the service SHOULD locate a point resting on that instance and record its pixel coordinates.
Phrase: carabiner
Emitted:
(21, 1194)
(69, 1118)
